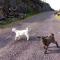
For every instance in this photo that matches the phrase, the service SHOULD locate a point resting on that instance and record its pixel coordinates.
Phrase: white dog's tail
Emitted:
(27, 29)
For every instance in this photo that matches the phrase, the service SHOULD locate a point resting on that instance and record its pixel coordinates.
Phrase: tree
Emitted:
(6, 8)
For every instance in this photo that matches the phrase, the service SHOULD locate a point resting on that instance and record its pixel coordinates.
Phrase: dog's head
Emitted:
(13, 29)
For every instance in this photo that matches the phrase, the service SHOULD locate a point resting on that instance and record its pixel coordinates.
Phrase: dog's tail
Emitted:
(27, 29)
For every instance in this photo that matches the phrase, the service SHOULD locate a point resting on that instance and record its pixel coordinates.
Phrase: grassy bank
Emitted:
(12, 21)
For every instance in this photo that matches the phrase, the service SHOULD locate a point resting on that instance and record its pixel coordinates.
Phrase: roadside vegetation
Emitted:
(18, 10)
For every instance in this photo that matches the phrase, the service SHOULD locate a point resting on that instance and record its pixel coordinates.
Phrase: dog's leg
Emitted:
(16, 37)
(27, 36)
(55, 42)
(45, 47)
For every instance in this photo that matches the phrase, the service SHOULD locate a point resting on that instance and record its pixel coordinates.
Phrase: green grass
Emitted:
(12, 21)
(8, 22)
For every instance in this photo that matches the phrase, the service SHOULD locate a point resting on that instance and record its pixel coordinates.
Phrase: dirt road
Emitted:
(41, 24)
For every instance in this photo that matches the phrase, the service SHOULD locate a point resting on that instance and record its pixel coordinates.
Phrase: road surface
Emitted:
(39, 25)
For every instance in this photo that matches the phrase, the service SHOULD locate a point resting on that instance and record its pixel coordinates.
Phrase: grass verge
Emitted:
(9, 22)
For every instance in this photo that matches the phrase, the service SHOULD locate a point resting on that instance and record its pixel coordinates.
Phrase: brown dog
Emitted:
(47, 40)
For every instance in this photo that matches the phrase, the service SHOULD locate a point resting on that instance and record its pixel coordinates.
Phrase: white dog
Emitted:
(20, 33)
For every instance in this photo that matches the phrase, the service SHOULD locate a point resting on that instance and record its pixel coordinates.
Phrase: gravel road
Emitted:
(41, 24)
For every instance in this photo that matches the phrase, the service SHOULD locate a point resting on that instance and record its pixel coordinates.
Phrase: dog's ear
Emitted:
(52, 33)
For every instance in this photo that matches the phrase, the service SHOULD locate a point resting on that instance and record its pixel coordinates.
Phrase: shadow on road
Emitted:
(4, 42)
(32, 38)
(54, 49)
